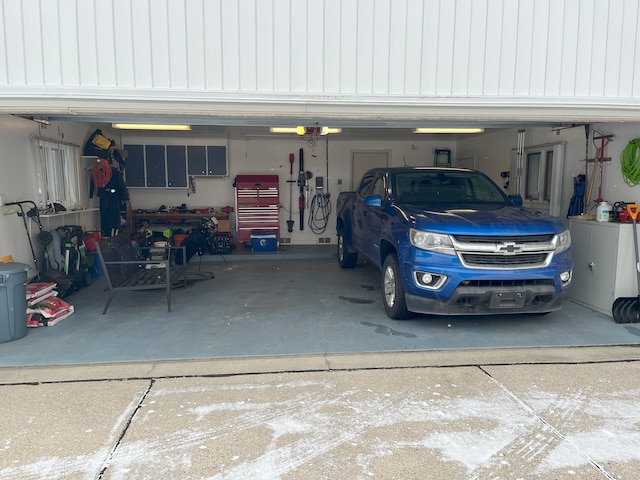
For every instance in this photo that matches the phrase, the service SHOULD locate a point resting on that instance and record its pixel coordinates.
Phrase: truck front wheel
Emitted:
(392, 289)
(346, 259)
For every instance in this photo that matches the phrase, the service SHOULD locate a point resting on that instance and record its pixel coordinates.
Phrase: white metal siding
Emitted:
(343, 49)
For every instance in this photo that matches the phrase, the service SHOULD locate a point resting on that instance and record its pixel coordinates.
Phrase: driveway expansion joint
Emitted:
(130, 420)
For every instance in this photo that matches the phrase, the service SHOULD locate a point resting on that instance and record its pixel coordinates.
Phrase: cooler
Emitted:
(264, 241)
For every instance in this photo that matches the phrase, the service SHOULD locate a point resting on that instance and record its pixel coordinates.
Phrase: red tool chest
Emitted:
(257, 205)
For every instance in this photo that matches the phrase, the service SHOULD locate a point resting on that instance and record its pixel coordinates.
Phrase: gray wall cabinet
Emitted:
(169, 166)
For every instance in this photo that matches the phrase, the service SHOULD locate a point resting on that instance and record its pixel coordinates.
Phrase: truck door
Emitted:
(375, 218)
(359, 216)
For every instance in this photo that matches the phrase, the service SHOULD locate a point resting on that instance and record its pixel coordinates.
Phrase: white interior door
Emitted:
(537, 177)
(363, 161)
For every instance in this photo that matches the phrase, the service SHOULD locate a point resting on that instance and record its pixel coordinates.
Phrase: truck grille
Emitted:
(505, 252)
(501, 239)
(523, 260)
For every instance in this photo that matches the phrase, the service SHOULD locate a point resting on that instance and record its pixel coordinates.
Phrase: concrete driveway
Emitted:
(552, 413)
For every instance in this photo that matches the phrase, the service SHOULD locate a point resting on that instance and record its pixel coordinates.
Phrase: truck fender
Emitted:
(385, 248)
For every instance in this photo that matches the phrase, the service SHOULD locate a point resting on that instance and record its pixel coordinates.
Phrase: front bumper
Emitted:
(471, 291)
(483, 301)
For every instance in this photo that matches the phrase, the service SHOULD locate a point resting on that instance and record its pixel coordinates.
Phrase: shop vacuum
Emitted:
(627, 309)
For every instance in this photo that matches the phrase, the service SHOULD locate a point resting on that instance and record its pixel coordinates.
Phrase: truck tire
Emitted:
(392, 289)
(346, 259)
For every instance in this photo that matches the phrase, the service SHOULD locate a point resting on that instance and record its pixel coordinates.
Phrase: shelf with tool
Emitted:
(182, 218)
(207, 229)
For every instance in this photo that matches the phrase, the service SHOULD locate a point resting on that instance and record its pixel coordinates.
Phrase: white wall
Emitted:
(270, 155)
(493, 155)
(18, 182)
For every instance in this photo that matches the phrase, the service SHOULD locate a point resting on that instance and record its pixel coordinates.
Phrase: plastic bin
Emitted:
(13, 301)
(94, 266)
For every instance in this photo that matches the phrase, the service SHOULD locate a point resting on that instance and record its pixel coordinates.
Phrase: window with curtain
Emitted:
(57, 169)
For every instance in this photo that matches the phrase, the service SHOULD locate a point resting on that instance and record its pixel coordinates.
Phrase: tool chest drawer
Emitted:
(257, 205)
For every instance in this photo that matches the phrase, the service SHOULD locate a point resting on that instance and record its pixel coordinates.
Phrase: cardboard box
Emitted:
(264, 242)
(224, 226)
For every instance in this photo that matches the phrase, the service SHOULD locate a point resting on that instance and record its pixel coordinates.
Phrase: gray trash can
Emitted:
(13, 301)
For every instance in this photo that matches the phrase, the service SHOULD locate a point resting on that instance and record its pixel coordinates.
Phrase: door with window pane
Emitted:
(539, 168)
(540, 177)
(533, 176)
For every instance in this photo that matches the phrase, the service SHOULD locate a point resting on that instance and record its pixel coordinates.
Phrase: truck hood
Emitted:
(486, 220)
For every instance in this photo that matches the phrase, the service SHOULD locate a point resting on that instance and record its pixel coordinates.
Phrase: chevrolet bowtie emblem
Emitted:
(509, 248)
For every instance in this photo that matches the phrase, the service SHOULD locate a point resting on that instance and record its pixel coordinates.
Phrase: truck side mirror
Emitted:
(516, 200)
(373, 200)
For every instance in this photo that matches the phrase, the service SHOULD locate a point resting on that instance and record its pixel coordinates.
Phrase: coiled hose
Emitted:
(319, 212)
(630, 163)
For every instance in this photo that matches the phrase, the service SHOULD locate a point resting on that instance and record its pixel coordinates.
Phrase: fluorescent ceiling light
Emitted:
(327, 130)
(448, 130)
(146, 126)
(283, 129)
(303, 130)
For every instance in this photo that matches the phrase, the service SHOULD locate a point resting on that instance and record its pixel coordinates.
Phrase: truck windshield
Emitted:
(453, 188)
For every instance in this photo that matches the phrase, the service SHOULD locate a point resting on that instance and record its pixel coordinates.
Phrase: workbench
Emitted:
(173, 217)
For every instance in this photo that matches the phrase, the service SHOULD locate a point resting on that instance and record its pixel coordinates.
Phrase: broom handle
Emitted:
(633, 211)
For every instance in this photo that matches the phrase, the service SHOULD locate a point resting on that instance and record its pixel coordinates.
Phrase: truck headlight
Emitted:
(562, 241)
(435, 242)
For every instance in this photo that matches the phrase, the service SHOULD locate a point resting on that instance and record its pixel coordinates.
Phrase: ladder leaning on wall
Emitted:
(442, 157)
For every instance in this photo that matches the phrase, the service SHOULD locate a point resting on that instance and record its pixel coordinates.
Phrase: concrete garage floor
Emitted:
(286, 367)
(290, 302)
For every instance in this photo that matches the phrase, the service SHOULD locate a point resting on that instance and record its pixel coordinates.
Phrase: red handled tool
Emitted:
(290, 181)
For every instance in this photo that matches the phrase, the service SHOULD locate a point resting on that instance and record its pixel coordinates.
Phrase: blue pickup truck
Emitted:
(449, 241)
